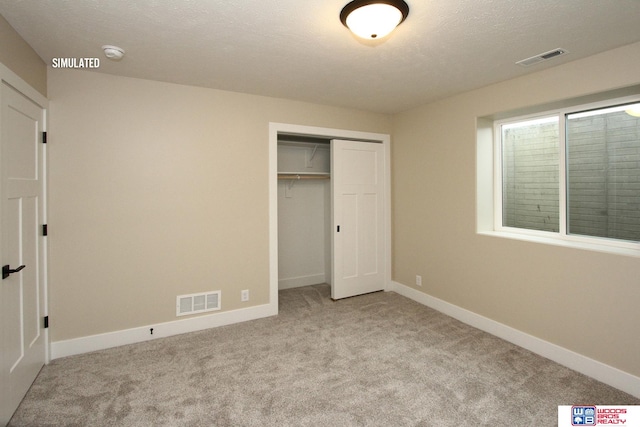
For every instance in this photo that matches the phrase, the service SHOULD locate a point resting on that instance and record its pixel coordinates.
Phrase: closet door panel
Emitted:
(349, 237)
(358, 203)
(369, 236)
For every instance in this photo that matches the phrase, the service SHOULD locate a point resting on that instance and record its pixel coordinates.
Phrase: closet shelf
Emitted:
(308, 175)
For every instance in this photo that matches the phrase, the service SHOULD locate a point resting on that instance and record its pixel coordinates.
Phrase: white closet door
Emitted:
(357, 183)
(22, 291)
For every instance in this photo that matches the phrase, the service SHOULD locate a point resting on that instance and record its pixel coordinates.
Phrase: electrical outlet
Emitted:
(244, 295)
(418, 280)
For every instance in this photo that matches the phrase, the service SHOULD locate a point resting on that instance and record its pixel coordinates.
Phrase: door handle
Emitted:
(7, 271)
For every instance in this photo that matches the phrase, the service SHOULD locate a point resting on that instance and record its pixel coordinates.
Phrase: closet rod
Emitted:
(302, 176)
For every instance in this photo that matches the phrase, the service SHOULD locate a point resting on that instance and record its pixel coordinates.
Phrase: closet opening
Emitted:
(314, 210)
(304, 211)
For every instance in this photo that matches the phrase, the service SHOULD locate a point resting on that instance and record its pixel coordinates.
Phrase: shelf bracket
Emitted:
(310, 158)
(292, 181)
(289, 186)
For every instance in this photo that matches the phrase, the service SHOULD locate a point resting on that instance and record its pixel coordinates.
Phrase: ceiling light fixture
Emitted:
(374, 19)
(633, 110)
(113, 52)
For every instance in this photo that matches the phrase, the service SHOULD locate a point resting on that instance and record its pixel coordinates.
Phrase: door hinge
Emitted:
(46, 322)
(44, 229)
(44, 137)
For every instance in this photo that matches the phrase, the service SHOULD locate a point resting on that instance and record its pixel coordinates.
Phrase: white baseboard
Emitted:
(135, 335)
(297, 282)
(607, 374)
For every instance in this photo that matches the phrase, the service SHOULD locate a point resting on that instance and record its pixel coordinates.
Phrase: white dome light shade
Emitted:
(371, 19)
(633, 110)
(374, 20)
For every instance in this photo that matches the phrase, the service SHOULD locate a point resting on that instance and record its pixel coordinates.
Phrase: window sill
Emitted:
(604, 248)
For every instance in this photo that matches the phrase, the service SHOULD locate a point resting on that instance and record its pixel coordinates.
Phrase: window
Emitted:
(603, 173)
(530, 174)
(571, 174)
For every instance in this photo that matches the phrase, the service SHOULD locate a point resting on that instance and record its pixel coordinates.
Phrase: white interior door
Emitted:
(357, 182)
(21, 206)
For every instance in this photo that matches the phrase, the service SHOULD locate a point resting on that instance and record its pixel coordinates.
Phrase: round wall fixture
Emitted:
(113, 52)
(374, 19)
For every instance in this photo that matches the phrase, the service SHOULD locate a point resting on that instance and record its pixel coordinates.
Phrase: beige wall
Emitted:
(157, 190)
(582, 300)
(20, 58)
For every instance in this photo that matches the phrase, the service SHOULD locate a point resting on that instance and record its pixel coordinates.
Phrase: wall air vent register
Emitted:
(197, 303)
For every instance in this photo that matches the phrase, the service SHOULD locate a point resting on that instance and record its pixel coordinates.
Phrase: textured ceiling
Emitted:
(300, 50)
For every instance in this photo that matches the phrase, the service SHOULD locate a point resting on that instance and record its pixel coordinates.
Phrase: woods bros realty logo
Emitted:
(75, 62)
(592, 415)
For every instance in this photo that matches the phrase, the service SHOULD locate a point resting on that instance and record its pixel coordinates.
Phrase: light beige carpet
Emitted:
(374, 360)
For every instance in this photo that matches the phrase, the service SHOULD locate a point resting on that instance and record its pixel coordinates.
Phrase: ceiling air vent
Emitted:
(542, 57)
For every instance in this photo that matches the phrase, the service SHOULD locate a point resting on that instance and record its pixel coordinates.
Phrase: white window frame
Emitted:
(560, 237)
